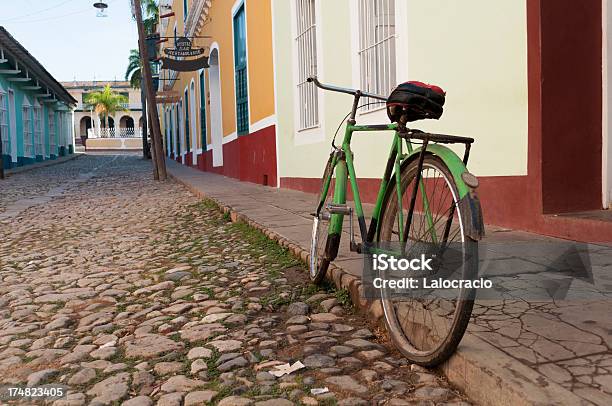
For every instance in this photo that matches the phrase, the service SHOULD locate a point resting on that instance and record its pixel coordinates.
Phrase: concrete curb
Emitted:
(42, 164)
(484, 373)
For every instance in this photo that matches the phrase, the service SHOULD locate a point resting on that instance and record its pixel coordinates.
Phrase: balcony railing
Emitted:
(132, 106)
(114, 133)
(194, 16)
(128, 106)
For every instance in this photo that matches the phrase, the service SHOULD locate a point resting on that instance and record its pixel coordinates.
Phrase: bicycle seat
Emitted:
(415, 101)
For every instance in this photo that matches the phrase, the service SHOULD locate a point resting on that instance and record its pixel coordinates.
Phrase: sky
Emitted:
(67, 38)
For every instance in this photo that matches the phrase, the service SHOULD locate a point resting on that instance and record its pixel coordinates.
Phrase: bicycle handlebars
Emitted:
(354, 92)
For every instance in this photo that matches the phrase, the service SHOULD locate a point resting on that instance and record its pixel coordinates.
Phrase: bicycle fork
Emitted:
(338, 209)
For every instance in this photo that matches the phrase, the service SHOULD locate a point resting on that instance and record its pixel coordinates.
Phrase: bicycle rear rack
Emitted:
(409, 134)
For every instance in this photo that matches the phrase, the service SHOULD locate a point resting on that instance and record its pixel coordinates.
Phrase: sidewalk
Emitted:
(42, 164)
(516, 352)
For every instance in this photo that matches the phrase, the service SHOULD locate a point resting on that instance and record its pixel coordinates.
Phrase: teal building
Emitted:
(35, 109)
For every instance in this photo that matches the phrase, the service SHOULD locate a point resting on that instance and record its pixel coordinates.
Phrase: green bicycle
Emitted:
(426, 195)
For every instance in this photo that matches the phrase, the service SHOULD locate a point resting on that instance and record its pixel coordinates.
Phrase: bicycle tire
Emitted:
(463, 310)
(320, 259)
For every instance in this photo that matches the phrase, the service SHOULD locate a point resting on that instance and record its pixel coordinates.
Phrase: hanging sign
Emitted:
(185, 65)
(182, 48)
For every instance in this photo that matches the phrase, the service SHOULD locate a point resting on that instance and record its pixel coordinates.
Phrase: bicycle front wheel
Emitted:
(427, 327)
(323, 246)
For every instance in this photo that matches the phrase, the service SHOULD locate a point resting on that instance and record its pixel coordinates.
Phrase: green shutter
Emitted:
(178, 132)
(203, 111)
(240, 60)
(186, 107)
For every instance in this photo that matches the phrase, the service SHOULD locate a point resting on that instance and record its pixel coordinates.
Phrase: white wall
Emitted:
(475, 49)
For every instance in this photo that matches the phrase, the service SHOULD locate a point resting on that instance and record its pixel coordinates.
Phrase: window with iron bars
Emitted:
(52, 140)
(4, 123)
(38, 131)
(306, 46)
(240, 60)
(28, 144)
(377, 47)
(60, 131)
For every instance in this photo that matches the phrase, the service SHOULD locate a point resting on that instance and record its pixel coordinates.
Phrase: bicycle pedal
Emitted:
(339, 209)
(356, 247)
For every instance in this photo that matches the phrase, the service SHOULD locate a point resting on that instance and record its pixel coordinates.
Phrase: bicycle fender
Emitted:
(469, 203)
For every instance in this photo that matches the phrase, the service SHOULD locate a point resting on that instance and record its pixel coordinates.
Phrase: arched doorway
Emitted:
(216, 119)
(84, 126)
(126, 122)
(111, 122)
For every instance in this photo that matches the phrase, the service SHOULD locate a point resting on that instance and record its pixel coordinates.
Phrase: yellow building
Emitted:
(224, 118)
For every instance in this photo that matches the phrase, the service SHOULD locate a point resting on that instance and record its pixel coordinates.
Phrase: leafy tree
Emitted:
(106, 103)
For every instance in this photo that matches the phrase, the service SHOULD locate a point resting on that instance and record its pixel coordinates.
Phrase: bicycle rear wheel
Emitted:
(427, 327)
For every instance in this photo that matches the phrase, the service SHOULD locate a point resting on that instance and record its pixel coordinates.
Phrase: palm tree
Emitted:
(134, 72)
(151, 13)
(106, 102)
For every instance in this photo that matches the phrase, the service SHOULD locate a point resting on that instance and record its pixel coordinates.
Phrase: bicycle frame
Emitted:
(342, 162)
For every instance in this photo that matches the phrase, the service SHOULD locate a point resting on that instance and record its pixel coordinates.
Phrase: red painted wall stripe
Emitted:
(249, 158)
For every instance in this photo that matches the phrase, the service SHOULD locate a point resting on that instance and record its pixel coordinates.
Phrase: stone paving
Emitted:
(131, 292)
(524, 349)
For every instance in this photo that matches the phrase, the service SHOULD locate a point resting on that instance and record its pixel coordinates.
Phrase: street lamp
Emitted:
(101, 6)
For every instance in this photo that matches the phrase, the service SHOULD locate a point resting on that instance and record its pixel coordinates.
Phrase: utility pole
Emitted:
(159, 163)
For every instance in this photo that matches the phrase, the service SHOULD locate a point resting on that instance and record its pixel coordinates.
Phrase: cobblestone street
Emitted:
(130, 292)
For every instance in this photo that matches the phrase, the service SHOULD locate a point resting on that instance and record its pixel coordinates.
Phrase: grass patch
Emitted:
(211, 364)
(208, 291)
(208, 204)
(274, 300)
(276, 257)
(343, 297)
